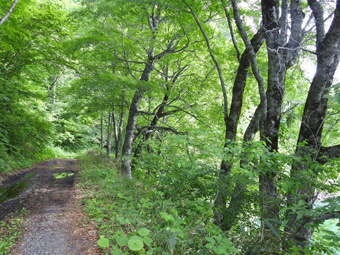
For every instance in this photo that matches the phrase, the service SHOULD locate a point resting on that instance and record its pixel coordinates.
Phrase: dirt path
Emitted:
(55, 225)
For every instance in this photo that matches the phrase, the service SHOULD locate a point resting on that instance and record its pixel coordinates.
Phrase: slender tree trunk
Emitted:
(3, 19)
(102, 133)
(109, 134)
(53, 89)
(225, 217)
(115, 130)
(118, 131)
(129, 134)
(131, 124)
(154, 21)
(120, 134)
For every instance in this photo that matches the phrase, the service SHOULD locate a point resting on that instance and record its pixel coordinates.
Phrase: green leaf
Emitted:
(209, 246)
(220, 250)
(143, 232)
(210, 240)
(150, 252)
(172, 242)
(103, 242)
(147, 240)
(135, 244)
(272, 229)
(116, 251)
(122, 240)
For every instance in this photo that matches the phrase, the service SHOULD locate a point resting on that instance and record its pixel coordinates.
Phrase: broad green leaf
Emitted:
(116, 251)
(135, 244)
(143, 232)
(122, 240)
(211, 240)
(147, 240)
(272, 229)
(103, 242)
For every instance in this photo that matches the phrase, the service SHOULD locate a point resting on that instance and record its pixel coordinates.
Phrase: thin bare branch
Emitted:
(225, 97)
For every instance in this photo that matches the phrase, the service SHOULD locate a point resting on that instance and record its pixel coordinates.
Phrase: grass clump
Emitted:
(136, 217)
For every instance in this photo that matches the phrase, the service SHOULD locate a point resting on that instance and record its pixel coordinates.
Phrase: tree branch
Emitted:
(225, 97)
(168, 129)
(231, 32)
(253, 61)
(332, 152)
(318, 16)
(3, 19)
(327, 216)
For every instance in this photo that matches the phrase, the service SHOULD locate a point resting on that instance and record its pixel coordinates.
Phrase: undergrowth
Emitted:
(11, 229)
(135, 217)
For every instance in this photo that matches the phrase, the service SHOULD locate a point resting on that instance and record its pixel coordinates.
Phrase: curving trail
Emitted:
(55, 224)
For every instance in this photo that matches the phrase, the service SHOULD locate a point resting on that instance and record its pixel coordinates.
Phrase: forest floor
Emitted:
(56, 223)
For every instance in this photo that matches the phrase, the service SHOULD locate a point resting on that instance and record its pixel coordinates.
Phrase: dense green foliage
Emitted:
(32, 59)
(174, 206)
(229, 145)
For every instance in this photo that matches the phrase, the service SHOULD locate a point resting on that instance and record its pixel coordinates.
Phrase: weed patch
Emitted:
(135, 217)
(11, 229)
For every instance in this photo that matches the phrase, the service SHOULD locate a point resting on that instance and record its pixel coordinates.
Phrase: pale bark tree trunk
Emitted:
(109, 134)
(102, 132)
(129, 134)
(118, 131)
(133, 111)
(3, 19)
(328, 54)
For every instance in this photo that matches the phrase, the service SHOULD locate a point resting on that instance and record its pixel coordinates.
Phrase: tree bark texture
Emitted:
(281, 56)
(328, 54)
(118, 131)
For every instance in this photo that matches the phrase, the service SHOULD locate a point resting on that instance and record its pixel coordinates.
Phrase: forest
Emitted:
(202, 126)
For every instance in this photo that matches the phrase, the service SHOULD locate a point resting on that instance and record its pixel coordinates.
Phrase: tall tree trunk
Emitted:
(225, 217)
(281, 55)
(278, 61)
(129, 134)
(102, 133)
(109, 134)
(118, 132)
(328, 54)
(131, 124)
